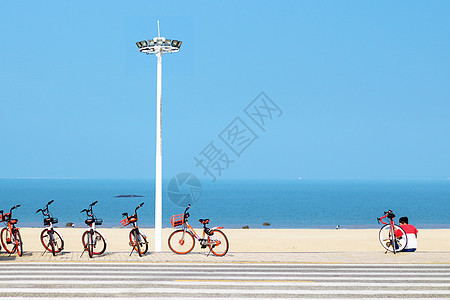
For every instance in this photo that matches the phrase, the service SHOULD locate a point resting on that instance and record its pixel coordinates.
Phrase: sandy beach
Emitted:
(256, 240)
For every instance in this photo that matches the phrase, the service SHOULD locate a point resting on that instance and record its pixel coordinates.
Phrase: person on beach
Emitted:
(411, 233)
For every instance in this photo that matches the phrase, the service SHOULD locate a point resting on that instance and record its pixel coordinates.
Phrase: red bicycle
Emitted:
(10, 235)
(392, 237)
(51, 239)
(93, 240)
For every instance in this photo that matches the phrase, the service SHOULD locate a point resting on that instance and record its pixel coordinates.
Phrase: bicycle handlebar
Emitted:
(387, 214)
(139, 206)
(45, 211)
(14, 207)
(89, 211)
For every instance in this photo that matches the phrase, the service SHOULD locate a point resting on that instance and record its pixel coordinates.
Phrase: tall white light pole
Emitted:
(158, 46)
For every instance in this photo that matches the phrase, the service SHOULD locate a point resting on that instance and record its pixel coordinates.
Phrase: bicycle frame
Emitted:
(203, 240)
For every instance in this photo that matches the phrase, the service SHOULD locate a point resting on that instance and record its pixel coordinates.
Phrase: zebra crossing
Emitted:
(221, 280)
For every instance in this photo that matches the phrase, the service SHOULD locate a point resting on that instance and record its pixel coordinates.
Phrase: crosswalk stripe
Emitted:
(182, 291)
(225, 282)
(87, 280)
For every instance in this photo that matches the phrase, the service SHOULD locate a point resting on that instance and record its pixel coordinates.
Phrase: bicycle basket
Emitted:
(6, 217)
(177, 220)
(98, 221)
(125, 222)
(47, 221)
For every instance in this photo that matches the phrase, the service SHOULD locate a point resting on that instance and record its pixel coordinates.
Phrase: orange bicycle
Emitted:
(182, 241)
(10, 235)
(138, 240)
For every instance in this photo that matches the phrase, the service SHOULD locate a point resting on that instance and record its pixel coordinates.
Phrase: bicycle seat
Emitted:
(13, 221)
(204, 221)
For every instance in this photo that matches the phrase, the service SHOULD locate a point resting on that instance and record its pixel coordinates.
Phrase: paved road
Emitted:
(97, 280)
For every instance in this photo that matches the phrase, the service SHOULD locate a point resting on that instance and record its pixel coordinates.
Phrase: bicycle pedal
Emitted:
(204, 246)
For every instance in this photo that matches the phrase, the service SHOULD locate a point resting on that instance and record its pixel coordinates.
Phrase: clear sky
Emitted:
(362, 89)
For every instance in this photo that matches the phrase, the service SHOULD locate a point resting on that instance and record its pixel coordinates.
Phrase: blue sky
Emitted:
(363, 88)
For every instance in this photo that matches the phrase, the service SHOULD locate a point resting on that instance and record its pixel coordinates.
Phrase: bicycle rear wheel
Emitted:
(220, 242)
(400, 238)
(181, 242)
(7, 241)
(18, 240)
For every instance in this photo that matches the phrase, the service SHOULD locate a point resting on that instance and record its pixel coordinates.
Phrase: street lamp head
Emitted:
(159, 45)
(176, 44)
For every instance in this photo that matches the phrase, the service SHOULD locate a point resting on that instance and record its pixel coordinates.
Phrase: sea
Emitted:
(235, 203)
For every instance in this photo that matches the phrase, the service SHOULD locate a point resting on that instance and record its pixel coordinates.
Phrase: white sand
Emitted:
(255, 240)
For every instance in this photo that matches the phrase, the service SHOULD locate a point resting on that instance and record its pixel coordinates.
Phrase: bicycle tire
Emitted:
(384, 237)
(392, 238)
(139, 242)
(58, 242)
(88, 243)
(19, 244)
(5, 237)
(99, 245)
(52, 244)
(181, 242)
(136, 244)
(221, 242)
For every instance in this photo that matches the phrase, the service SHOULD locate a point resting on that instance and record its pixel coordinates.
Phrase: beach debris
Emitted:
(245, 227)
(337, 227)
(266, 224)
(70, 224)
(128, 196)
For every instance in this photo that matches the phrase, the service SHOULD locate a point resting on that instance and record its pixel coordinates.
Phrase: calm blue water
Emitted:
(233, 204)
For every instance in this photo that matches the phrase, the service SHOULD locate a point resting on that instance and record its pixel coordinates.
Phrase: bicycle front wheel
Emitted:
(139, 242)
(395, 244)
(181, 242)
(7, 241)
(18, 240)
(88, 243)
(52, 242)
(218, 243)
(99, 244)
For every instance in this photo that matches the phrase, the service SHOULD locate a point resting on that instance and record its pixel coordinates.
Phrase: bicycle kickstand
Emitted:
(83, 252)
(132, 249)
